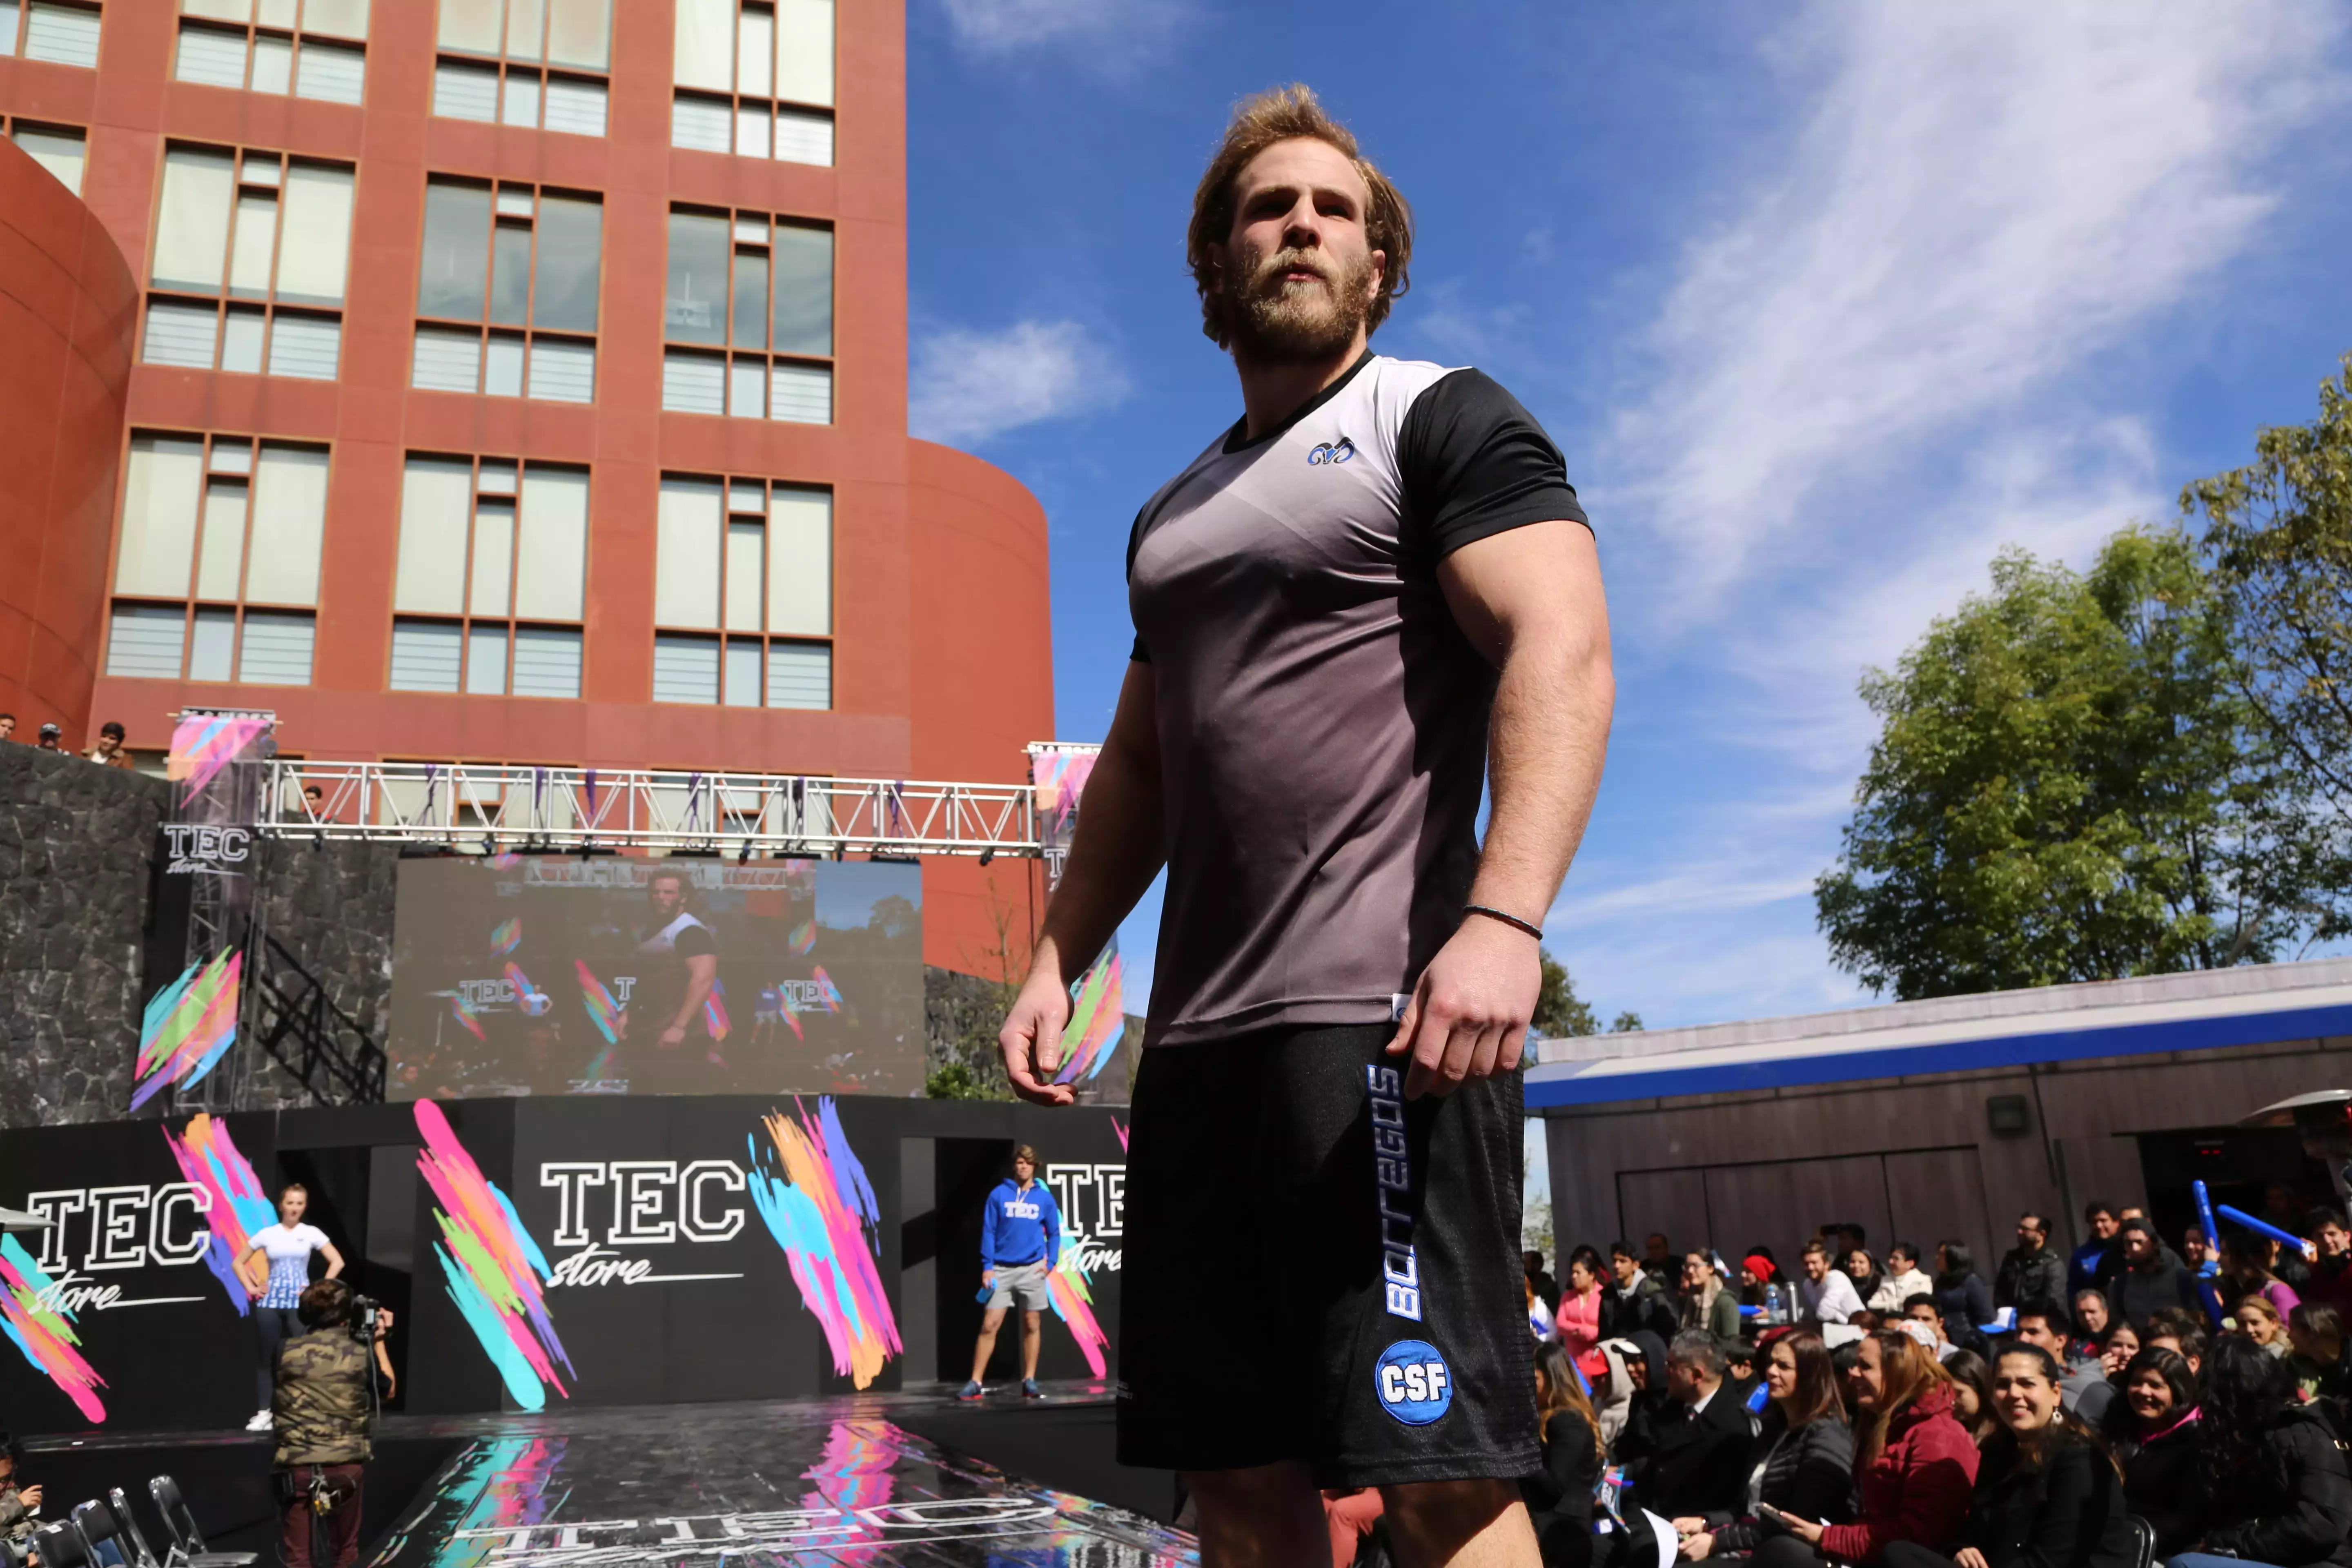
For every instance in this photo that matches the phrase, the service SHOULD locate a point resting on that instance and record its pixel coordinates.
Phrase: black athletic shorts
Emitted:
(1318, 1269)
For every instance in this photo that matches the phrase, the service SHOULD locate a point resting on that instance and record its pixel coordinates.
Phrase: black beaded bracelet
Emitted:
(1509, 919)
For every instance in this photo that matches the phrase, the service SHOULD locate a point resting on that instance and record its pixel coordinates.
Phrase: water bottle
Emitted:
(1772, 1305)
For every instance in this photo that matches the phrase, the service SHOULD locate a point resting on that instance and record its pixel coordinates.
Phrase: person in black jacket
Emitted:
(1698, 1459)
(2047, 1493)
(2278, 1489)
(2153, 1429)
(2029, 1271)
(1559, 1496)
(1808, 1454)
(1633, 1301)
(1961, 1294)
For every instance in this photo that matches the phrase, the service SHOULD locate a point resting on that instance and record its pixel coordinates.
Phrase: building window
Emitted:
(493, 571)
(275, 48)
(266, 241)
(45, 30)
(755, 78)
(743, 594)
(513, 257)
(216, 563)
(62, 150)
(540, 54)
(760, 291)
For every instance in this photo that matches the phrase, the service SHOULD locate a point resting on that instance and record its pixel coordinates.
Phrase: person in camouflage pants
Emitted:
(323, 1409)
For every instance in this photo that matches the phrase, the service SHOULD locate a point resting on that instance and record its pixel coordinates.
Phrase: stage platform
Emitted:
(879, 1479)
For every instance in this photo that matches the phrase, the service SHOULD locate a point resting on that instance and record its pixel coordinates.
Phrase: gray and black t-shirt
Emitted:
(1322, 720)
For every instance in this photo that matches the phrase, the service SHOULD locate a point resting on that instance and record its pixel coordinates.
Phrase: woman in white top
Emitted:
(277, 1268)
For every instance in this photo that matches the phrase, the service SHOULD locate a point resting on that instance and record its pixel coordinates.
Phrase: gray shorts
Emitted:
(1026, 1281)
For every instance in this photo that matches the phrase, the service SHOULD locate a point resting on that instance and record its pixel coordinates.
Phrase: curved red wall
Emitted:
(68, 308)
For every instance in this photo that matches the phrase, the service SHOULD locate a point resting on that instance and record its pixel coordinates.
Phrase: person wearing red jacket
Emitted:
(1914, 1463)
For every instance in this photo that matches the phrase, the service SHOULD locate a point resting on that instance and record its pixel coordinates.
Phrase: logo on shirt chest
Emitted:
(1331, 452)
(1015, 1208)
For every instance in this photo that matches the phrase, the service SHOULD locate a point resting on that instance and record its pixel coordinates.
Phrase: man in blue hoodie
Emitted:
(1020, 1248)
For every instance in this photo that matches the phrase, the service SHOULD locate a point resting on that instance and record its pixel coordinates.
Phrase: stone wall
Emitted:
(77, 843)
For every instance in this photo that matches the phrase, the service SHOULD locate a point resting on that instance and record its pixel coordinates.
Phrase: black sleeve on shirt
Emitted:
(1475, 463)
(694, 941)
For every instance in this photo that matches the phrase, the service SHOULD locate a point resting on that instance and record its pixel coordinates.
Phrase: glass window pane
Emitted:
(315, 254)
(747, 575)
(742, 687)
(502, 371)
(701, 124)
(525, 23)
(290, 519)
(691, 382)
(694, 308)
(571, 250)
(210, 57)
(62, 35)
(160, 497)
(276, 648)
(305, 346)
(804, 289)
(145, 642)
(486, 661)
(510, 274)
(220, 555)
(755, 51)
(331, 73)
(257, 238)
(211, 649)
(804, 51)
(273, 65)
(425, 655)
(751, 326)
(686, 554)
(551, 552)
(474, 24)
(496, 478)
(576, 108)
(446, 361)
(192, 223)
(800, 675)
(436, 498)
(275, 13)
(562, 371)
(802, 393)
(179, 334)
(343, 18)
(706, 44)
(753, 137)
(800, 562)
(58, 151)
(747, 389)
(463, 91)
(580, 32)
(493, 565)
(804, 137)
(455, 276)
(241, 340)
(546, 662)
(220, 10)
(686, 670)
(522, 101)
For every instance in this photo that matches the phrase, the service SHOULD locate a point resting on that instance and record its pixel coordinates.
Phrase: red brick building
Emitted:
(517, 381)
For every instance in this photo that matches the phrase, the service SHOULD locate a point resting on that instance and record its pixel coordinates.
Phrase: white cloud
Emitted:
(968, 386)
(1115, 28)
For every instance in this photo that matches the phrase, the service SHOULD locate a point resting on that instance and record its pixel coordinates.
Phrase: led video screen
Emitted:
(550, 974)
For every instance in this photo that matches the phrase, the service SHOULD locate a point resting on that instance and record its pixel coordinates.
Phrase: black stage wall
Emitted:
(581, 1251)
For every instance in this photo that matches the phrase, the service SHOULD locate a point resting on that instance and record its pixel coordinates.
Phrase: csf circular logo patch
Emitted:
(1413, 1382)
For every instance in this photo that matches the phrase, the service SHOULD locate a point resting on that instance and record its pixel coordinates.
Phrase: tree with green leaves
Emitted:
(1561, 1012)
(2068, 784)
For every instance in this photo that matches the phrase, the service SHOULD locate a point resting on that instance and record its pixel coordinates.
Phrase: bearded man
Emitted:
(1329, 604)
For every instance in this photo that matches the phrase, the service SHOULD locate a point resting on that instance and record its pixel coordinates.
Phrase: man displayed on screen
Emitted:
(677, 961)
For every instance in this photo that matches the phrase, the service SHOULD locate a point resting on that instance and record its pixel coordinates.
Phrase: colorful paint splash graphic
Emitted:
(823, 1213)
(500, 1483)
(44, 1331)
(505, 937)
(603, 1011)
(527, 995)
(492, 1268)
(234, 1204)
(714, 1011)
(202, 746)
(1067, 1293)
(803, 938)
(189, 1025)
(1098, 1021)
(856, 1473)
(828, 994)
(468, 1019)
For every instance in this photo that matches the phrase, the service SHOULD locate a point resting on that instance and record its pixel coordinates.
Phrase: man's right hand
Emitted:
(1031, 1037)
(988, 1278)
(31, 1497)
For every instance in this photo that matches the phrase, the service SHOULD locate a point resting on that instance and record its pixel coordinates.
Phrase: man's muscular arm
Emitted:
(1531, 600)
(1121, 843)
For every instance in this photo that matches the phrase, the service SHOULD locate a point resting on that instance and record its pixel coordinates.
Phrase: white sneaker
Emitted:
(261, 1422)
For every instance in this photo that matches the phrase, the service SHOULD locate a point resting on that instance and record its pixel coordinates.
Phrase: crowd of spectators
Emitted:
(107, 751)
(2130, 1403)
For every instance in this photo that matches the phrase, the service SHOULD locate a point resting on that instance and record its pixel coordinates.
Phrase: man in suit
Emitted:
(1698, 1451)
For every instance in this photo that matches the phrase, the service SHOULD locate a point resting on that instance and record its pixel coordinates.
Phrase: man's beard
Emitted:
(1274, 324)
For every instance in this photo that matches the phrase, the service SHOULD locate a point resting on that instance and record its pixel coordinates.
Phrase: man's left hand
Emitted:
(672, 1038)
(1469, 1013)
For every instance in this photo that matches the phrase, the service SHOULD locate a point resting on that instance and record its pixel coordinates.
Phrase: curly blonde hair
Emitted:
(1286, 114)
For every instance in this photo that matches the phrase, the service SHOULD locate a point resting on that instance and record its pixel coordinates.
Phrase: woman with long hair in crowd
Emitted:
(2264, 1323)
(1864, 1270)
(1962, 1298)
(1580, 1312)
(2246, 1268)
(2277, 1490)
(1559, 1496)
(1707, 1302)
(2090, 1333)
(1971, 1393)
(1914, 1465)
(1808, 1468)
(2153, 1429)
(2047, 1495)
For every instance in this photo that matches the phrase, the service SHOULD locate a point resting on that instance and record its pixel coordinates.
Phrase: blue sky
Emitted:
(1824, 303)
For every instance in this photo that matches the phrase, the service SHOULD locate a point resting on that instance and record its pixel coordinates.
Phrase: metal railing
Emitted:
(510, 806)
(300, 1025)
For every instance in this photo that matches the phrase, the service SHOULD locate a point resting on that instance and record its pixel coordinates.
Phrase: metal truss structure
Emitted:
(515, 807)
